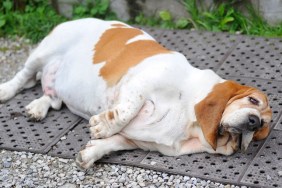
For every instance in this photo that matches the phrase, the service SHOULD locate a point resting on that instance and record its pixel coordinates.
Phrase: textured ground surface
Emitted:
(248, 60)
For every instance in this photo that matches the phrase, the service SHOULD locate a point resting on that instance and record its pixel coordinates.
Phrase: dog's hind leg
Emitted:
(26, 77)
(96, 149)
(38, 108)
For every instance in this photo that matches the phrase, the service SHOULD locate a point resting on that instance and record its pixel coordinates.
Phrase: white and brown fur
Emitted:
(136, 93)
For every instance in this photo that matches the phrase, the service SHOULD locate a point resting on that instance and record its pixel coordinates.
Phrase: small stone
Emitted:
(23, 156)
(129, 171)
(123, 169)
(280, 173)
(68, 185)
(142, 184)
(268, 177)
(6, 164)
(63, 160)
(63, 138)
(121, 180)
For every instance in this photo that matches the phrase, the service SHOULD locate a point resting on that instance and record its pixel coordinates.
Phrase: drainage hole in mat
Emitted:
(250, 175)
(200, 167)
(206, 174)
(218, 170)
(123, 159)
(224, 177)
(170, 167)
(149, 158)
(275, 185)
(262, 171)
(256, 182)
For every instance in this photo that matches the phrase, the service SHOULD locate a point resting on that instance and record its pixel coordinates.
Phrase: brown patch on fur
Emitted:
(119, 25)
(209, 111)
(119, 56)
(111, 115)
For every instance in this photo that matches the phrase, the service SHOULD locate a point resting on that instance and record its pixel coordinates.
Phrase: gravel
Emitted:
(24, 169)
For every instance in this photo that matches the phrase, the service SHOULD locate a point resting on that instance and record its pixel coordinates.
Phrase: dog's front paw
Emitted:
(37, 110)
(99, 127)
(86, 157)
(6, 92)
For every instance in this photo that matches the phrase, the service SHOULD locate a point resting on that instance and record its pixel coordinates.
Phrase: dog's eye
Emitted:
(253, 101)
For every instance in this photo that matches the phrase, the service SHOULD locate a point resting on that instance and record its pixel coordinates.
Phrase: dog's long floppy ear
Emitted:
(209, 111)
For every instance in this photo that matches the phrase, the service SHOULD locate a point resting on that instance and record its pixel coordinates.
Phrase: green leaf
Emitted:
(94, 11)
(226, 20)
(2, 22)
(209, 15)
(8, 5)
(221, 9)
(181, 23)
(165, 15)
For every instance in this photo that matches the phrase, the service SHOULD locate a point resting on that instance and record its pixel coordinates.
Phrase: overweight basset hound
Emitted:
(138, 94)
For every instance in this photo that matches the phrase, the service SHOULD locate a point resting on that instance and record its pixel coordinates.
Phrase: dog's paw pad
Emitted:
(99, 131)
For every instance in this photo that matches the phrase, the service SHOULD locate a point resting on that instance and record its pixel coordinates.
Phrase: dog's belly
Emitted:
(81, 89)
(159, 121)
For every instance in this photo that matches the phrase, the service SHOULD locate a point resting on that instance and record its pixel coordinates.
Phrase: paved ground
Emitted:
(249, 60)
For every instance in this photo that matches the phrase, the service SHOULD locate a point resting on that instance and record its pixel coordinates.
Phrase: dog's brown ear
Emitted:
(262, 133)
(209, 111)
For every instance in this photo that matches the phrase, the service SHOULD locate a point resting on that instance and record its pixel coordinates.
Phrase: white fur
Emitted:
(154, 101)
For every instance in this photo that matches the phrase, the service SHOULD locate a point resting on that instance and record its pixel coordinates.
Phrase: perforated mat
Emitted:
(17, 132)
(248, 60)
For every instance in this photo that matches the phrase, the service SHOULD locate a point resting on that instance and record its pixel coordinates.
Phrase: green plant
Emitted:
(164, 20)
(225, 17)
(97, 9)
(34, 22)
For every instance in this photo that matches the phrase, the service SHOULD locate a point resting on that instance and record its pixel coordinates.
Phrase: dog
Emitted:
(138, 94)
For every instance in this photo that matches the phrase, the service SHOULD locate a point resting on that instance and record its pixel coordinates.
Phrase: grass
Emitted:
(38, 18)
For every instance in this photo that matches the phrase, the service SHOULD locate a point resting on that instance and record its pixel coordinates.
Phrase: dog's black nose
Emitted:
(254, 123)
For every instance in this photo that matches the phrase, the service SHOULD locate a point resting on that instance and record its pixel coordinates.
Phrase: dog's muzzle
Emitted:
(243, 132)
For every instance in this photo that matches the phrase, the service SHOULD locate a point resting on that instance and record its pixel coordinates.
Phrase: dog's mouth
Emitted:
(242, 138)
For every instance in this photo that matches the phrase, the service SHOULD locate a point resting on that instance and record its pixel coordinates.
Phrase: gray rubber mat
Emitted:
(19, 133)
(250, 61)
(266, 166)
(255, 57)
(203, 49)
(279, 124)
